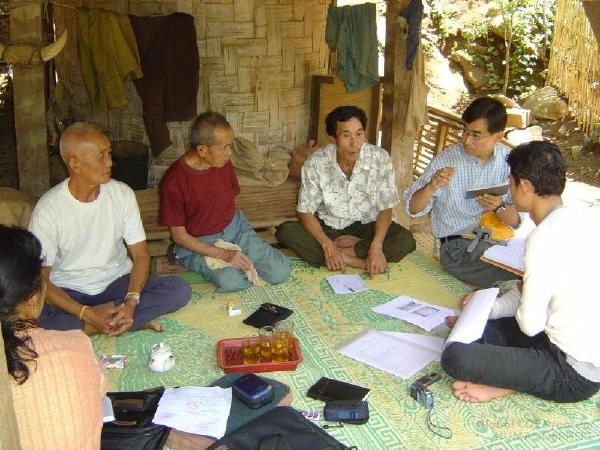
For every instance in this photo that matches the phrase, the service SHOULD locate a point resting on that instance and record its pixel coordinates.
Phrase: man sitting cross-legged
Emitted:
(542, 337)
(345, 202)
(84, 225)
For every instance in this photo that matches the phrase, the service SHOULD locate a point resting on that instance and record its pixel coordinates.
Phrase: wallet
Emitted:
(267, 314)
(328, 389)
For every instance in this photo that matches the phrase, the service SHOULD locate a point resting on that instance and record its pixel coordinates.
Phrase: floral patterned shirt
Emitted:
(340, 200)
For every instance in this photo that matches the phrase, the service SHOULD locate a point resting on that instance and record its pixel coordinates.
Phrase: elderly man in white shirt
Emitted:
(345, 202)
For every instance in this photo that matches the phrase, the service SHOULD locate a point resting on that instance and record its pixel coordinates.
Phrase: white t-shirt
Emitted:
(560, 291)
(83, 242)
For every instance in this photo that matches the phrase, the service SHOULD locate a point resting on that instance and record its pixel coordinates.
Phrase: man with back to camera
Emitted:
(345, 202)
(478, 161)
(541, 338)
(197, 203)
(81, 224)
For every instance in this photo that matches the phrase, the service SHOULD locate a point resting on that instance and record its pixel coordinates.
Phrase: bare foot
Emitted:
(346, 241)
(154, 325)
(478, 393)
(352, 260)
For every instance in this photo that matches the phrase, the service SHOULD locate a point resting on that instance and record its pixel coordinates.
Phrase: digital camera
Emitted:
(422, 395)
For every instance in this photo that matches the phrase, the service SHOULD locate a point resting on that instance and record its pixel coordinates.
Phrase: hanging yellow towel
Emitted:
(499, 230)
(215, 263)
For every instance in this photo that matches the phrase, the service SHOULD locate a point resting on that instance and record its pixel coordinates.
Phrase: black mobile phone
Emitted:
(430, 378)
(328, 389)
(267, 314)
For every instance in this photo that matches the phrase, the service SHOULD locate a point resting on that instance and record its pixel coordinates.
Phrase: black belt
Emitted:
(450, 238)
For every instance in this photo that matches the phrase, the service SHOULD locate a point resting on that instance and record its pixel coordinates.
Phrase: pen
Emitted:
(270, 308)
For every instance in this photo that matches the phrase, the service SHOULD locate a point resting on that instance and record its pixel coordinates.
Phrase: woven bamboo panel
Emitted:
(575, 62)
(256, 57)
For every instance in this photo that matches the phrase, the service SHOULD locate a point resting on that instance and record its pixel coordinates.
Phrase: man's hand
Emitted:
(122, 320)
(376, 262)
(451, 320)
(442, 177)
(237, 259)
(489, 202)
(100, 317)
(333, 256)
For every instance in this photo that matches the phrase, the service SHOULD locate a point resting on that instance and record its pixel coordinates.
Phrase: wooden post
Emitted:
(396, 94)
(30, 102)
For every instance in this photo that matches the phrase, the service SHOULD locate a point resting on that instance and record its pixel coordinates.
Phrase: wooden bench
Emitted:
(265, 208)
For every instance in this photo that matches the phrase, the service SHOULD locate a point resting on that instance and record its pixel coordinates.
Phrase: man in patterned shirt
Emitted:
(479, 161)
(345, 202)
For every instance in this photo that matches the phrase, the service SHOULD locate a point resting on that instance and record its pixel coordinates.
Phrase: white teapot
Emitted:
(161, 358)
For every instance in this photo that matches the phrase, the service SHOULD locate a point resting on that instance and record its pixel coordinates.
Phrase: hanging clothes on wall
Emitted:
(351, 32)
(413, 14)
(108, 56)
(171, 64)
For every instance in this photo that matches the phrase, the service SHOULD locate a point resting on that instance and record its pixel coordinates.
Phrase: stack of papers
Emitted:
(509, 257)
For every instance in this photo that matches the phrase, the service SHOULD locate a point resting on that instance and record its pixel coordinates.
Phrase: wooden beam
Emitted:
(30, 102)
(396, 95)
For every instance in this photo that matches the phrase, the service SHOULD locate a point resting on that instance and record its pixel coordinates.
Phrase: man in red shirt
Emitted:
(197, 203)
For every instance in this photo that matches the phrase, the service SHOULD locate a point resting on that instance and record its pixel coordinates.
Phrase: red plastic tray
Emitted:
(229, 358)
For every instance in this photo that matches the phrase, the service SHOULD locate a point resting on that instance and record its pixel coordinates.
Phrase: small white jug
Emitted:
(161, 358)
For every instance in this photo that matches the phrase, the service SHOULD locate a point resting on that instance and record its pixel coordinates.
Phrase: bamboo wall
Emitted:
(574, 66)
(256, 59)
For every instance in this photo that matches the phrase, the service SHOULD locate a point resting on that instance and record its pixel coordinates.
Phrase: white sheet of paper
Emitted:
(433, 343)
(471, 322)
(512, 254)
(392, 353)
(421, 314)
(198, 410)
(346, 284)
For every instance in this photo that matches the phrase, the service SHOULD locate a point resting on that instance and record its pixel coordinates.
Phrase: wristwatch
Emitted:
(133, 296)
(501, 208)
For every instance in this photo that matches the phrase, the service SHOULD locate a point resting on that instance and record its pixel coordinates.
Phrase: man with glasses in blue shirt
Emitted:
(478, 161)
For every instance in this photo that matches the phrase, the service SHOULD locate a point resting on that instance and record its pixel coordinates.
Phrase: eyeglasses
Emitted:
(475, 135)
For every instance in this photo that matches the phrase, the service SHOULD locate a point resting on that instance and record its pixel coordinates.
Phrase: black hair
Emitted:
(542, 164)
(489, 109)
(203, 128)
(344, 114)
(20, 278)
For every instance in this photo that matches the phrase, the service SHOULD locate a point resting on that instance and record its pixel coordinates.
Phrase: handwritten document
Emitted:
(421, 314)
(471, 322)
(346, 284)
(401, 354)
(198, 410)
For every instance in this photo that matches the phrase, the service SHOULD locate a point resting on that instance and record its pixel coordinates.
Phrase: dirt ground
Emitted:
(582, 165)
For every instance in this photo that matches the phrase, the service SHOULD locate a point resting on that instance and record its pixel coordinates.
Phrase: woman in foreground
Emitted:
(56, 381)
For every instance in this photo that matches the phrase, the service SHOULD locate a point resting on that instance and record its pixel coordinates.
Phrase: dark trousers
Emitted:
(398, 241)
(161, 295)
(468, 267)
(505, 357)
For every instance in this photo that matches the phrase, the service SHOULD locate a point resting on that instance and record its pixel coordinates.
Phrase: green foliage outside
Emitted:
(509, 38)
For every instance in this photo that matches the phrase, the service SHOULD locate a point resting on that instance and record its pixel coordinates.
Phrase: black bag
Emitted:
(280, 428)
(133, 428)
